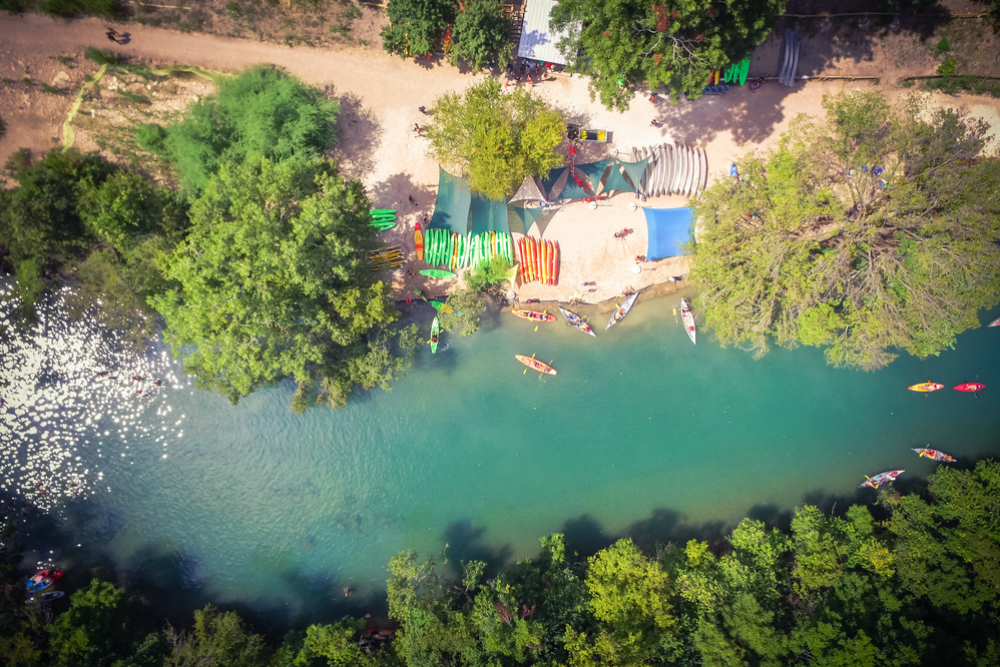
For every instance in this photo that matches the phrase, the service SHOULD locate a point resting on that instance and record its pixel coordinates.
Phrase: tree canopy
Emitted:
(620, 44)
(416, 26)
(275, 282)
(261, 112)
(480, 34)
(495, 138)
(868, 232)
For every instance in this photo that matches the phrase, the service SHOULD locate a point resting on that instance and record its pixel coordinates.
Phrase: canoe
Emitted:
(435, 333)
(622, 311)
(535, 364)
(47, 580)
(437, 273)
(533, 315)
(994, 323)
(688, 317)
(926, 386)
(575, 320)
(418, 242)
(970, 386)
(880, 479)
(555, 266)
(933, 454)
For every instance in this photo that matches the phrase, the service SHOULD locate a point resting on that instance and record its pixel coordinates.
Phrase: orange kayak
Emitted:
(926, 386)
(418, 241)
(535, 364)
(533, 315)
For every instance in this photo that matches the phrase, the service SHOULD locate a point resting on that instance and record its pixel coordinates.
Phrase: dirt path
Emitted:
(381, 94)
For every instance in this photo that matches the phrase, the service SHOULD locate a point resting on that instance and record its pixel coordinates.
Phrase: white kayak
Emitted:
(688, 317)
(622, 310)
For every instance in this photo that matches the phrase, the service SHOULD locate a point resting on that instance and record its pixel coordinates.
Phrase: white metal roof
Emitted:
(537, 41)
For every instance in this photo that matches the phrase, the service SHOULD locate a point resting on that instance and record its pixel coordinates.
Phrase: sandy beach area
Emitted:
(380, 97)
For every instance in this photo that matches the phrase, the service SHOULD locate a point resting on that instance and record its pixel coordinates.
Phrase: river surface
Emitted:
(641, 433)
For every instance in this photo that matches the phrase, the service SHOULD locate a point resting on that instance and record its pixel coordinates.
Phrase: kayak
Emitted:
(577, 321)
(418, 241)
(533, 315)
(382, 211)
(535, 364)
(880, 479)
(622, 311)
(437, 273)
(439, 306)
(994, 323)
(688, 317)
(970, 386)
(47, 597)
(435, 333)
(926, 386)
(933, 454)
(42, 580)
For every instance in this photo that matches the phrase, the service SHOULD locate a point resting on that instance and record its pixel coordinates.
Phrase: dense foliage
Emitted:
(495, 138)
(275, 282)
(261, 112)
(620, 44)
(871, 231)
(75, 217)
(66, 8)
(417, 26)
(481, 33)
(916, 586)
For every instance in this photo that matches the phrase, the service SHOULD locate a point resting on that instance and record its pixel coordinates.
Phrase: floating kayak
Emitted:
(418, 242)
(577, 321)
(688, 317)
(933, 454)
(926, 386)
(535, 364)
(435, 332)
(49, 577)
(880, 479)
(47, 597)
(622, 311)
(437, 273)
(533, 315)
(970, 386)
(994, 323)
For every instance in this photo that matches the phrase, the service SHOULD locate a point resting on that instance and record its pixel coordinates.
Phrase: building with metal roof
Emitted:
(537, 41)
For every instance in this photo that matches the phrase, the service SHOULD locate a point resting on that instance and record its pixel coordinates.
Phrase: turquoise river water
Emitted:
(641, 434)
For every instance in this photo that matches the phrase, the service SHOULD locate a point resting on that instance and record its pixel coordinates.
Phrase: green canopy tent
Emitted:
(521, 219)
(635, 171)
(487, 215)
(613, 180)
(451, 209)
(571, 189)
(553, 184)
(594, 172)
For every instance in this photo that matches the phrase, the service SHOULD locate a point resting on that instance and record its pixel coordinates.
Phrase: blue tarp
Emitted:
(669, 229)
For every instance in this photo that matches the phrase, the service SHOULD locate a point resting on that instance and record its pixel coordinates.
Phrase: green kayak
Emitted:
(435, 332)
(377, 211)
(437, 273)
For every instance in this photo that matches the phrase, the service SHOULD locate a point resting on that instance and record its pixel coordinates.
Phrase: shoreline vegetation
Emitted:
(908, 580)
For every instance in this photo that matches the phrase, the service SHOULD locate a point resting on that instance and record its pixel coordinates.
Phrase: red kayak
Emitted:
(970, 386)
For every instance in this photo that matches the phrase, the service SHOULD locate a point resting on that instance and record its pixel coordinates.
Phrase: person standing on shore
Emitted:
(112, 35)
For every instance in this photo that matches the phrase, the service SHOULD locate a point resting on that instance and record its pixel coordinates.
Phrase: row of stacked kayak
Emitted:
(539, 260)
(446, 248)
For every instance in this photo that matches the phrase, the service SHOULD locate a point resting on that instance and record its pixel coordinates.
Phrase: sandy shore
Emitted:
(380, 96)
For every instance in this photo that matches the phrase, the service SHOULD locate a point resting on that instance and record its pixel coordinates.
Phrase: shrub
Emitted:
(152, 138)
(102, 56)
(66, 8)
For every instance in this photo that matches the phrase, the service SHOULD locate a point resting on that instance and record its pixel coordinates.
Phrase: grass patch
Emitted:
(947, 68)
(26, 80)
(132, 97)
(52, 90)
(942, 46)
(952, 85)
(102, 56)
(65, 61)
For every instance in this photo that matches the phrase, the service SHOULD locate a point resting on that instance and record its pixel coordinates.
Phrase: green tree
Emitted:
(620, 44)
(217, 640)
(275, 282)
(416, 26)
(261, 112)
(481, 33)
(494, 138)
(815, 245)
(466, 307)
(98, 629)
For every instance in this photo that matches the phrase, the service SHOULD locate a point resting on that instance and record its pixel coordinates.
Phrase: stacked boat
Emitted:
(673, 169)
(539, 260)
(446, 248)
